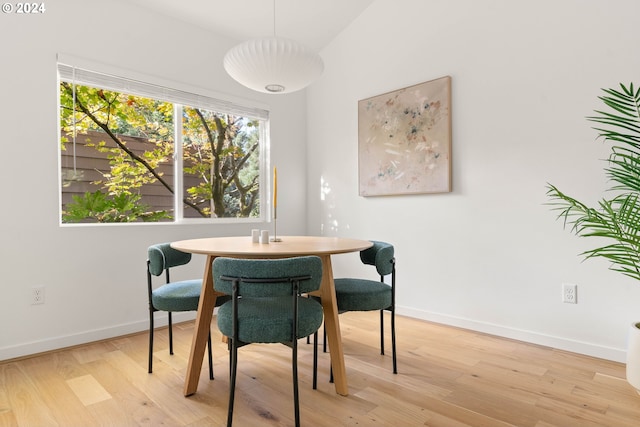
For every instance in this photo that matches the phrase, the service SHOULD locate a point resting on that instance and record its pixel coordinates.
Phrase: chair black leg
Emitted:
(232, 380)
(294, 364)
(150, 341)
(210, 357)
(229, 347)
(315, 359)
(382, 332)
(170, 334)
(324, 339)
(393, 340)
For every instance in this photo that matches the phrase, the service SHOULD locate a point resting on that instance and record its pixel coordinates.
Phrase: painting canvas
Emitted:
(404, 140)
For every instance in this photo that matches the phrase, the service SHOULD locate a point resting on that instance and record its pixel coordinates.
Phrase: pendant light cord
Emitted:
(274, 19)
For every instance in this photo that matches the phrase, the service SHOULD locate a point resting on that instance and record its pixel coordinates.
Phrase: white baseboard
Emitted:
(567, 344)
(590, 349)
(55, 343)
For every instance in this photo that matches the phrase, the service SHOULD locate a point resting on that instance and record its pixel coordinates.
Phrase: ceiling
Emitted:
(311, 22)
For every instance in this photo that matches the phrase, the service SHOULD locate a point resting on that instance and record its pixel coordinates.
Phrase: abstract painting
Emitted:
(404, 140)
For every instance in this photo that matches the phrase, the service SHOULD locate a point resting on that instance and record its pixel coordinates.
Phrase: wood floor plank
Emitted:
(404, 413)
(571, 414)
(65, 406)
(7, 417)
(135, 408)
(26, 403)
(88, 390)
(160, 393)
(504, 381)
(462, 414)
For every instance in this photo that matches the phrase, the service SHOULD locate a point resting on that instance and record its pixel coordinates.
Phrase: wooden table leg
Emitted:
(332, 325)
(202, 328)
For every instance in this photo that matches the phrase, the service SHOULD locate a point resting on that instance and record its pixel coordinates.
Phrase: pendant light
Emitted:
(273, 64)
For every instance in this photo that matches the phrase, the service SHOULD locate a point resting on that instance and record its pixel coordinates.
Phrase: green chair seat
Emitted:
(177, 296)
(362, 295)
(270, 320)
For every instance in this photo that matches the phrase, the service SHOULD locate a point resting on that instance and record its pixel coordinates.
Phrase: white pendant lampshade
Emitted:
(273, 65)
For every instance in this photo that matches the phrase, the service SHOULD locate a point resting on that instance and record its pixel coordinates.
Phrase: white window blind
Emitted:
(71, 73)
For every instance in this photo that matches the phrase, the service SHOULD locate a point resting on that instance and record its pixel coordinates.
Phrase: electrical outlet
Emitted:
(37, 295)
(570, 293)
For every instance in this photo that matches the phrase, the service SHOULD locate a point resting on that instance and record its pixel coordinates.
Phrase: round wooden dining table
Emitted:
(288, 246)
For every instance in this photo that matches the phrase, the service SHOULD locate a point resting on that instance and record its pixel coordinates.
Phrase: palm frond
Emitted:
(615, 220)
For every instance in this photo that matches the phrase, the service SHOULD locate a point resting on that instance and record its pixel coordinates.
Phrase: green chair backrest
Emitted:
(381, 254)
(266, 269)
(163, 256)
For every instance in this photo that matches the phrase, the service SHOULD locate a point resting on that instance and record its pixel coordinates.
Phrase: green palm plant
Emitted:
(615, 219)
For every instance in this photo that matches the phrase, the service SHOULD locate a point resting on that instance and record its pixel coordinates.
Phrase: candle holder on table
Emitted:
(275, 237)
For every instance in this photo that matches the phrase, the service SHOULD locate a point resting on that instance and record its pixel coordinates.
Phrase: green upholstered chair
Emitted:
(267, 307)
(356, 294)
(171, 296)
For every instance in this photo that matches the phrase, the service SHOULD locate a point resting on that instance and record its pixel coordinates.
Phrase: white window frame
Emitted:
(84, 72)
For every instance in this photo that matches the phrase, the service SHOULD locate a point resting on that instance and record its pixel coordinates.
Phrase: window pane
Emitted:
(119, 166)
(221, 164)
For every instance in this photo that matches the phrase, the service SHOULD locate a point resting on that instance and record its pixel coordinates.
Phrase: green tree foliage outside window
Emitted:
(135, 137)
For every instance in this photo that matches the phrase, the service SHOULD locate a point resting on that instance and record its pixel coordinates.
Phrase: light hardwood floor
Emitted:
(447, 377)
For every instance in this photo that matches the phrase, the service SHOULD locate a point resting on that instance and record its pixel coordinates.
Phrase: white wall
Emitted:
(489, 255)
(95, 276)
